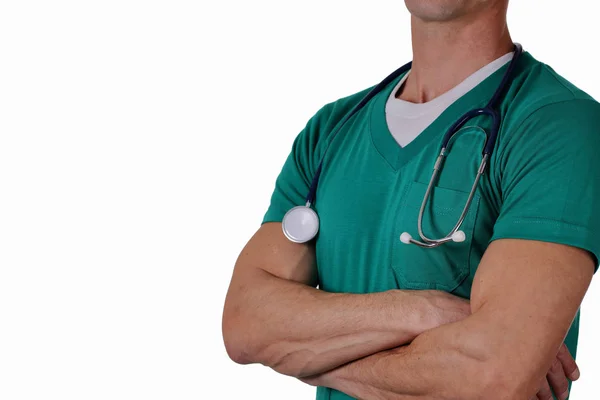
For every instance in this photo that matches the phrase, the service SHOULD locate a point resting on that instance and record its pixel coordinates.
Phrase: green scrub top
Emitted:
(542, 183)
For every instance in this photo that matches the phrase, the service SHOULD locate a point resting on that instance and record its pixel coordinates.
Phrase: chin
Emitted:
(442, 10)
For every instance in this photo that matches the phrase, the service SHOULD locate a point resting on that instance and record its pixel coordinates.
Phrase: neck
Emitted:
(446, 53)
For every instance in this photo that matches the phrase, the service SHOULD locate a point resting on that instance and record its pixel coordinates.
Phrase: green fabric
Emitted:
(541, 184)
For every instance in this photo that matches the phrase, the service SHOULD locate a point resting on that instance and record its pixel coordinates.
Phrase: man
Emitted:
(392, 320)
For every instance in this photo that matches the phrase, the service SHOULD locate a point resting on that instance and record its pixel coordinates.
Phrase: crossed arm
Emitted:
(524, 298)
(274, 316)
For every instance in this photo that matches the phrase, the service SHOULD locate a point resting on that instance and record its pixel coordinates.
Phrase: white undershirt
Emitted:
(407, 120)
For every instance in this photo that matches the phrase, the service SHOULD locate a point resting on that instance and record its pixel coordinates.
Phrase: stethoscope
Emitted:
(301, 223)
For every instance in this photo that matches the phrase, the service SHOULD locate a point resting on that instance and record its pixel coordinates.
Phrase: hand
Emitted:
(325, 379)
(442, 307)
(563, 366)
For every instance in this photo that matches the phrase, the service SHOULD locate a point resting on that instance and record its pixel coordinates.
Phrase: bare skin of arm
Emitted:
(524, 298)
(273, 314)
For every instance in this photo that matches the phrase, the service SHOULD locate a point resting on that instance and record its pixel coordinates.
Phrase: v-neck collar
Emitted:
(397, 156)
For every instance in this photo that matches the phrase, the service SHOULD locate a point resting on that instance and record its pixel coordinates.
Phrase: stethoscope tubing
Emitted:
(372, 93)
(490, 110)
(308, 215)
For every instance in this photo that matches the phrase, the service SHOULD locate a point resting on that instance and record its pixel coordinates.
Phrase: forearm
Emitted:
(300, 331)
(524, 297)
(447, 363)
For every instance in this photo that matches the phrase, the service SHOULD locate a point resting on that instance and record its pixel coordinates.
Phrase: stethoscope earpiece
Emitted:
(405, 237)
(458, 236)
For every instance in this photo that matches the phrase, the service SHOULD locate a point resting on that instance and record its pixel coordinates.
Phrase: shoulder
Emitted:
(313, 139)
(538, 86)
(331, 114)
(542, 108)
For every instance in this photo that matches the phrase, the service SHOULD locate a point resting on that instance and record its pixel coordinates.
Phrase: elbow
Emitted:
(245, 345)
(491, 376)
(498, 382)
(236, 350)
(242, 350)
(236, 338)
(248, 341)
(491, 371)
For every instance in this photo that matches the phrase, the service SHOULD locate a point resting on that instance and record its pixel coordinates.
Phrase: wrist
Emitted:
(413, 312)
(433, 308)
(338, 379)
(360, 379)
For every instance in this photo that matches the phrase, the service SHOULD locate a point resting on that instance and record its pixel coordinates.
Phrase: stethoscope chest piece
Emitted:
(300, 224)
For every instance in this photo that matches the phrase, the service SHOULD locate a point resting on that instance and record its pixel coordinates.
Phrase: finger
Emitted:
(558, 381)
(544, 393)
(568, 363)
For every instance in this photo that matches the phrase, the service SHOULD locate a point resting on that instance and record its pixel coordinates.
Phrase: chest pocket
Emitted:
(444, 267)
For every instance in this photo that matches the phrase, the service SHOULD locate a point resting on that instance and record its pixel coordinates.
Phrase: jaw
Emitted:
(446, 10)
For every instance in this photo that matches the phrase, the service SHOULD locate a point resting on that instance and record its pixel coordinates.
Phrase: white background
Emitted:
(139, 145)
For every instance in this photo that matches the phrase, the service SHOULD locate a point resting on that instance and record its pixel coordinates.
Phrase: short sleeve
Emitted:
(293, 182)
(550, 177)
